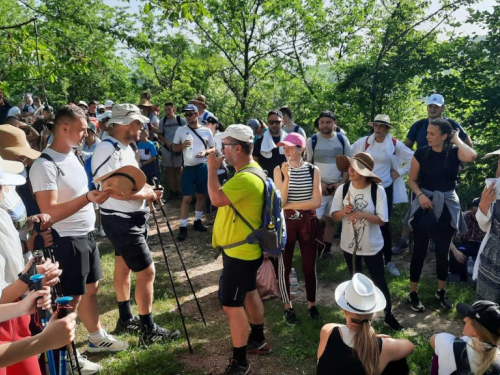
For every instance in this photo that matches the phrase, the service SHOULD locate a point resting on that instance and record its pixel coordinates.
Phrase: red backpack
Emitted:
(394, 140)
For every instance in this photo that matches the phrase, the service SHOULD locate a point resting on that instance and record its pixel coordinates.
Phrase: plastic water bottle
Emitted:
(189, 149)
(293, 283)
(470, 266)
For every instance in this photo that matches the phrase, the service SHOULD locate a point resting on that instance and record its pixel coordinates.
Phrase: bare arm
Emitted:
(396, 349)
(181, 146)
(217, 196)
(312, 204)
(465, 153)
(413, 177)
(409, 143)
(282, 179)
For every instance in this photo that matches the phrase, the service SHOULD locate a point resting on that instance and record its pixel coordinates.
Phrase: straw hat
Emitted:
(123, 181)
(145, 103)
(13, 144)
(362, 163)
(381, 119)
(199, 99)
(359, 296)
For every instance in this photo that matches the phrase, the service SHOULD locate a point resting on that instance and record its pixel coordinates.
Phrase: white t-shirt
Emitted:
(44, 176)
(181, 136)
(383, 163)
(446, 358)
(11, 253)
(369, 235)
(118, 159)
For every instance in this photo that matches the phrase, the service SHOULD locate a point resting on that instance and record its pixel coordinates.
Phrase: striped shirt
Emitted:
(300, 187)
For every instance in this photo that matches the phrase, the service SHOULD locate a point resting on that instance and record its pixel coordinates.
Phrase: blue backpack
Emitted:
(88, 164)
(271, 236)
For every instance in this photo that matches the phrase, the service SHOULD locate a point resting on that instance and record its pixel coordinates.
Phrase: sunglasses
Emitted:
(275, 122)
(189, 114)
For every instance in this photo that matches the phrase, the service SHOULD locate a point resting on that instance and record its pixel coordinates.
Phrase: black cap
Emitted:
(212, 120)
(48, 108)
(485, 313)
(328, 114)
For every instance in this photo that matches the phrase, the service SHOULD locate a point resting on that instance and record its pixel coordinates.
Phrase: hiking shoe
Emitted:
(261, 348)
(183, 232)
(197, 225)
(391, 321)
(391, 267)
(133, 325)
(313, 313)
(290, 317)
(108, 344)
(157, 334)
(401, 246)
(416, 305)
(443, 299)
(234, 368)
(86, 367)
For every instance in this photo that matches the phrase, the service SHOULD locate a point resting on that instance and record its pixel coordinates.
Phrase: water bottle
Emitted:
(293, 283)
(470, 266)
(189, 149)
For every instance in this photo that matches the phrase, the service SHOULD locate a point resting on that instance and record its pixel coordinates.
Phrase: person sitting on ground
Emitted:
(476, 352)
(355, 348)
(466, 245)
(361, 205)
(300, 186)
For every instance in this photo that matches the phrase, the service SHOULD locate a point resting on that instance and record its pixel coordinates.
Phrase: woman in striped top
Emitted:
(300, 186)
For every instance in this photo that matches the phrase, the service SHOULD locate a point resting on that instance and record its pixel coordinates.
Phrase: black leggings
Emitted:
(385, 229)
(375, 265)
(444, 233)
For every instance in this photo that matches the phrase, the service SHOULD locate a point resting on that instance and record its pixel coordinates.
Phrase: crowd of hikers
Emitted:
(91, 170)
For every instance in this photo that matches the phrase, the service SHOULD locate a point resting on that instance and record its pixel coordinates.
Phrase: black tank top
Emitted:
(340, 359)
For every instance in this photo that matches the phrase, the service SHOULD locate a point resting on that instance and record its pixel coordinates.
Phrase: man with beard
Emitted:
(322, 150)
(265, 151)
(125, 222)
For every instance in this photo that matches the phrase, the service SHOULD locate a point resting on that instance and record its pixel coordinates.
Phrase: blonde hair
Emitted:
(365, 342)
(486, 344)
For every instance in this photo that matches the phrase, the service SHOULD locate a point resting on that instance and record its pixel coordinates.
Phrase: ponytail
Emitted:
(445, 128)
(486, 344)
(366, 342)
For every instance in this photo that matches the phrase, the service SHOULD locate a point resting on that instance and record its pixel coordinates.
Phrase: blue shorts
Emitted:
(194, 180)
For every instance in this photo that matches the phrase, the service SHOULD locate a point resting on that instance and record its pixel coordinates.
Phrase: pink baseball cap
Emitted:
(293, 139)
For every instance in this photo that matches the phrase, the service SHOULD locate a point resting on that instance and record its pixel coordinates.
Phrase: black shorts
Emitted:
(129, 237)
(238, 277)
(78, 258)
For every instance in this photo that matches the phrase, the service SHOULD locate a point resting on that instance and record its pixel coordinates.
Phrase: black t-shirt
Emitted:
(268, 164)
(4, 110)
(39, 125)
(437, 173)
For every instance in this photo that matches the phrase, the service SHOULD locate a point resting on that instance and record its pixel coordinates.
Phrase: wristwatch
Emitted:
(25, 278)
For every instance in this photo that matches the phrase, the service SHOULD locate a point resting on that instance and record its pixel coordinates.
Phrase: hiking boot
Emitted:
(401, 246)
(391, 267)
(313, 313)
(108, 344)
(261, 348)
(133, 325)
(183, 232)
(234, 368)
(443, 299)
(416, 305)
(290, 317)
(157, 334)
(197, 225)
(391, 321)
(86, 367)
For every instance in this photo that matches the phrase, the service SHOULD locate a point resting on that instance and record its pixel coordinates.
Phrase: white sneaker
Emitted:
(86, 367)
(100, 232)
(108, 344)
(392, 269)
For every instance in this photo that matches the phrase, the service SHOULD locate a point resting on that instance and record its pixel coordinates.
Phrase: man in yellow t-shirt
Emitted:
(237, 286)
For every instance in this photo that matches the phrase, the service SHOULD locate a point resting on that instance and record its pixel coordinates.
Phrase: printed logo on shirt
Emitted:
(296, 216)
(359, 205)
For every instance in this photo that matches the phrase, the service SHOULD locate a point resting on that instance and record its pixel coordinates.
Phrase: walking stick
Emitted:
(157, 185)
(356, 239)
(170, 276)
(44, 315)
(62, 310)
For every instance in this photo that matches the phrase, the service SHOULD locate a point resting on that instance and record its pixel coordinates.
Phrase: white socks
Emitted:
(98, 336)
(184, 222)
(198, 215)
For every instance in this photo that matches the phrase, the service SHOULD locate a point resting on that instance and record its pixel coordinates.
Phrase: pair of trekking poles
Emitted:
(60, 304)
(157, 187)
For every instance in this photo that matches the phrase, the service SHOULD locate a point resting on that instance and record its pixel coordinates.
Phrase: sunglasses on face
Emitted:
(275, 122)
(189, 114)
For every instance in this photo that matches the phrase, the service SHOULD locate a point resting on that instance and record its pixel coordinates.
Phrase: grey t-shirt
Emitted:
(325, 156)
(169, 127)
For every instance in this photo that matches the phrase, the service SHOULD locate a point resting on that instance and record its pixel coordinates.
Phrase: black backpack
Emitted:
(462, 360)
(373, 191)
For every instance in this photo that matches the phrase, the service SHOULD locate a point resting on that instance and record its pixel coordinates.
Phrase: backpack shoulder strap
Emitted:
(80, 157)
(461, 358)
(178, 118)
(342, 142)
(311, 172)
(345, 189)
(117, 149)
(373, 191)
(314, 142)
(366, 143)
(296, 129)
(256, 171)
(394, 142)
(45, 156)
(199, 136)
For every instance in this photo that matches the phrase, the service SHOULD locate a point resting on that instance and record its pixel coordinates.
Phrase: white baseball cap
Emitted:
(240, 132)
(108, 103)
(11, 179)
(436, 99)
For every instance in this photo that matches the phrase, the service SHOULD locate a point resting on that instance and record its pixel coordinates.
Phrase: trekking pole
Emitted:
(170, 276)
(50, 364)
(62, 310)
(157, 185)
(356, 240)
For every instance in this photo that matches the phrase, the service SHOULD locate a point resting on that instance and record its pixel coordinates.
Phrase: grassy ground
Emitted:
(294, 348)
